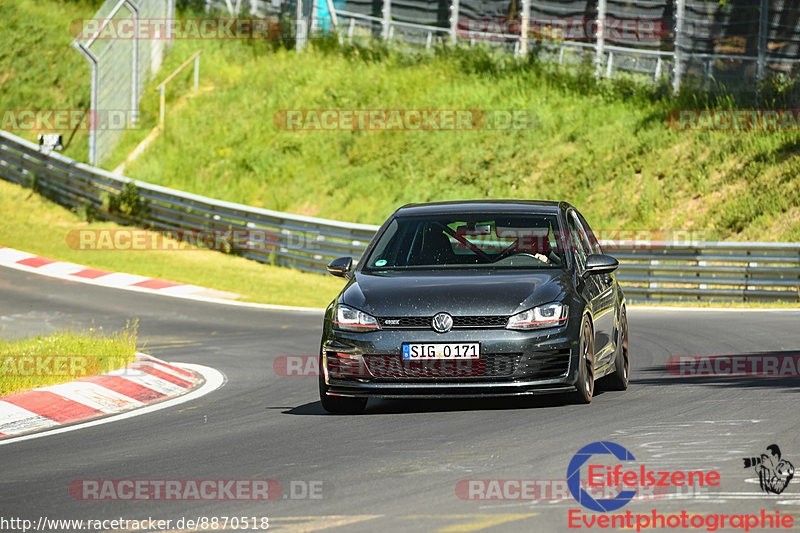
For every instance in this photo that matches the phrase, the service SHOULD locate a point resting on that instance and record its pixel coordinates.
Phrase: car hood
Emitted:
(471, 293)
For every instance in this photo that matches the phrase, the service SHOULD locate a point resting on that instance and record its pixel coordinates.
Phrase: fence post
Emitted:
(677, 54)
(454, 10)
(601, 37)
(334, 17)
(135, 66)
(95, 90)
(761, 66)
(313, 24)
(523, 37)
(387, 17)
(300, 28)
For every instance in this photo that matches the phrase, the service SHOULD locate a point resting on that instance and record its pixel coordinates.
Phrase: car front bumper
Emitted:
(512, 363)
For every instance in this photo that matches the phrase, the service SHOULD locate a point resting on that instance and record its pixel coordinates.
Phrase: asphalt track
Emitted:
(396, 467)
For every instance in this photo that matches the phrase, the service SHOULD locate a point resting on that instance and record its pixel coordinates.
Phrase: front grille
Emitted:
(459, 322)
(542, 365)
(488, 366)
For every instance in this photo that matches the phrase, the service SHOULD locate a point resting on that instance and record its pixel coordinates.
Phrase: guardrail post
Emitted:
(610, 65)
(196, 72)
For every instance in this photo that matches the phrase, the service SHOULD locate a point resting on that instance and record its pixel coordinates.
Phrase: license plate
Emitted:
(464, 350)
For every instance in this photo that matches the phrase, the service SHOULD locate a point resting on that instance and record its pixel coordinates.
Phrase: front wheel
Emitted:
(585, 382)
(340, 405)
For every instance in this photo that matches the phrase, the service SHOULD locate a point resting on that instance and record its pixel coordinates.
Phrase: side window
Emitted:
(577, 241)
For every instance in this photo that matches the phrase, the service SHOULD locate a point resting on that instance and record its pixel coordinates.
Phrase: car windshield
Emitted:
(493, 241)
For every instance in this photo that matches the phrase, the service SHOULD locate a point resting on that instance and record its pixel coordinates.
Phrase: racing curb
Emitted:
(43, 265)
(147, 380)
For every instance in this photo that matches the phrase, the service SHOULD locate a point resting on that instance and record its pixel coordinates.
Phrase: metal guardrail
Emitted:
(649, 271)
(301, 242)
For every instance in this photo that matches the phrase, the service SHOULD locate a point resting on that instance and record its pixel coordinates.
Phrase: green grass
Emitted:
(34, 224)
(38, 67)
(63, 356)
(603, 146)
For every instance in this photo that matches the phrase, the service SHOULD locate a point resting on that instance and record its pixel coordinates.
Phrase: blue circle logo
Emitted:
(574, 477)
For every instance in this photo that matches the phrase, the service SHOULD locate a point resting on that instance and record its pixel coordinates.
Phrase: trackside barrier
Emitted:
(304, 243)
(649, 271)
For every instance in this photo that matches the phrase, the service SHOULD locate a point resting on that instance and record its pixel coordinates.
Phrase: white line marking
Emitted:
(214, 380)
(713, 309)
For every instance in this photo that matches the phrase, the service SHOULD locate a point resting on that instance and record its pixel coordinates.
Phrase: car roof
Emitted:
(482, 206)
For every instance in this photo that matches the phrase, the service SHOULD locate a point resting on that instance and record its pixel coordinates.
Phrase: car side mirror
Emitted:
(341, 267)
(600, 264)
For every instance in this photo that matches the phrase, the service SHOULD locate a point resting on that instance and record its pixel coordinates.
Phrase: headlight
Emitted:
(544, 316)
(349, 319)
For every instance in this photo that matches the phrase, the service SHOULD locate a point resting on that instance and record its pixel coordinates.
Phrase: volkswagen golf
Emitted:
(475, 299)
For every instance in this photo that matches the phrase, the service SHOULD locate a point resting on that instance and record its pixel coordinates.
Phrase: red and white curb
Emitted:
(42, 265)
(144, 381)
(28, 262)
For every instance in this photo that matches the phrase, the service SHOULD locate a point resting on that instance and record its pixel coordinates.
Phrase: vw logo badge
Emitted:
(442, 323)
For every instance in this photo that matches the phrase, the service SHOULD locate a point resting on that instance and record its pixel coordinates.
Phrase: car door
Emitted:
(591, 288)
(606, 317)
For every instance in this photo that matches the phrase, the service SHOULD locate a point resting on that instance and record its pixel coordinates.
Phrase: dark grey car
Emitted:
(475, 299)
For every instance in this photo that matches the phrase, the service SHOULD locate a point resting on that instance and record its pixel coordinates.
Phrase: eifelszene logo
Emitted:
(574, 476)
(623, 483)
(774, 473)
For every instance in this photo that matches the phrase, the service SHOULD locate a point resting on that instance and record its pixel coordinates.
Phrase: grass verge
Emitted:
(602, 145)
(63, 356)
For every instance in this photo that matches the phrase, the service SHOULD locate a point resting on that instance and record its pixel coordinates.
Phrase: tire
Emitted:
(585, 375)
(340, 405)
(618, 380)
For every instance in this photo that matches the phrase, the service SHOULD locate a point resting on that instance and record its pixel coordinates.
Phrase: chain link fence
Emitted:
(734, 44)
(120, 65)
